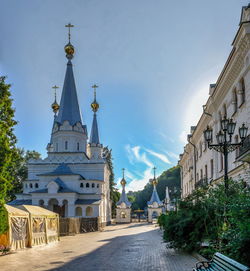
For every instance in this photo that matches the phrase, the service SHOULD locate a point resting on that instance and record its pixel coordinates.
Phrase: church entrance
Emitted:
(55, 207)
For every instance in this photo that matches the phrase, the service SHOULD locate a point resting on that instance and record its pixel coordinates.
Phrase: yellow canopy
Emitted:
(37, 210)
(13, 211)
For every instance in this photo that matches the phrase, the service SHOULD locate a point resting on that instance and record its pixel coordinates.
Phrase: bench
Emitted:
(220, 262)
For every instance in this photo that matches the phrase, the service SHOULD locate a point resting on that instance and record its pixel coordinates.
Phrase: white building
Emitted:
(229, 96)
(73, 179)
(123, 206)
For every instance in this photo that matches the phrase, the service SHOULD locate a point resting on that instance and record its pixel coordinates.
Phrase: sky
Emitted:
(153, 62)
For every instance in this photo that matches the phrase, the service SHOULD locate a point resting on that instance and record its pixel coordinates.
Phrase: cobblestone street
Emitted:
(136, 246)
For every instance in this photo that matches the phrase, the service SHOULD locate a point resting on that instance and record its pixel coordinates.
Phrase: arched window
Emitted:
(200, 147)
(36, 185)
(78, 146)
(242, 91)
(212, 168)
(236, 139)
(66, 145)
(224, 110)
(221, 162)
(89, 211)
(78, 211)
(235, 101)
(97, 185)
(31, 185)
(41, 202)
(81, 184)
(87, 185)
(93, 185)
(123, 215)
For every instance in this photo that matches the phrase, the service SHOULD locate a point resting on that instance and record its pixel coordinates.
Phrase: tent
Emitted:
(44, 225)
(17, 235)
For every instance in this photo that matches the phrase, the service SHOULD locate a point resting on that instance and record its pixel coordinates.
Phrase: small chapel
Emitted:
(155, 205)
(73, 180)
(123, 206)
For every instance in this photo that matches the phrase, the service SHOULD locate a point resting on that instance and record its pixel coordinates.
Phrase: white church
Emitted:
(73, 179)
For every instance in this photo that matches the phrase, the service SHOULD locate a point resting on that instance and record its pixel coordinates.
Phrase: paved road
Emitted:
(126, 247)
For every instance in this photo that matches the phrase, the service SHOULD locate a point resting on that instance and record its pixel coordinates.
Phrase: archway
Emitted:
(64, 208)
(155, 215)
(54, 206)
(123, 215)
(89, 211)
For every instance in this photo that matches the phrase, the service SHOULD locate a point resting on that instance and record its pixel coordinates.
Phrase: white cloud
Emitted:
(160, 156)
(172, 155)
(138, 184)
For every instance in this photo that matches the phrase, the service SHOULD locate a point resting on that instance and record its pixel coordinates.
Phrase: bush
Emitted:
(209, 216)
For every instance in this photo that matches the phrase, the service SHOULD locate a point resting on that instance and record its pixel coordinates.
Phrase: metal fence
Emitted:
(75, 225)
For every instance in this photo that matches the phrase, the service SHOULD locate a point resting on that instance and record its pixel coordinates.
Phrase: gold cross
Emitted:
(123, 169)
(69, 25)
(95, 87)
(55, 88)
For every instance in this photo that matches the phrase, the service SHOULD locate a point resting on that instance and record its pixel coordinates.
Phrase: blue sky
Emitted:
(153, 61)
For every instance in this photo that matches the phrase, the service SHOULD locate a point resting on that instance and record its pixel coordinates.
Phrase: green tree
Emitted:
(19, 170)
(7, 148)
(114, 193)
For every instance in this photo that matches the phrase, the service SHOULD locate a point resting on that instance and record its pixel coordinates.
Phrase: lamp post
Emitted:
(224, 140)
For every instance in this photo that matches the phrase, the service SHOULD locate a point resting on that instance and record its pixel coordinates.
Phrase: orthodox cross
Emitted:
(55, 88)
(69, 25)
(95, 87)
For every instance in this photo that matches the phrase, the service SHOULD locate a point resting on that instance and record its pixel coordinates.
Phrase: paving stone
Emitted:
(128, 247)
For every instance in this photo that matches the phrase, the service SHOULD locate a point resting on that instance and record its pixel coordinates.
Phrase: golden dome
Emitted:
(69, 50)
(95, 106)
(154, 182)
(55, 106)
(123, 182)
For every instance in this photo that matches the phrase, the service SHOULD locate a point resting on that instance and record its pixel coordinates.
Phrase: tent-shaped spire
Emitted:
(69, 107)
(94, 136)
(154, 197)
(123, 198)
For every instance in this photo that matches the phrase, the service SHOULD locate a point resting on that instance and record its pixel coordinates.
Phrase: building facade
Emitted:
(123, 206)
(230, 97)
(73, 179)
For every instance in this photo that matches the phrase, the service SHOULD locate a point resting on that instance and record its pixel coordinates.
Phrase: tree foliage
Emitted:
(114, 193)
(7, 148)
(209, 216)
(170, 178)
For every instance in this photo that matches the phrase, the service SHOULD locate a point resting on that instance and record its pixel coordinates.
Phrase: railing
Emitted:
(201, 183)
(245, 147)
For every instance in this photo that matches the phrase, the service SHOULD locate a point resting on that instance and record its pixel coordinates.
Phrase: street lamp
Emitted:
(224, 140)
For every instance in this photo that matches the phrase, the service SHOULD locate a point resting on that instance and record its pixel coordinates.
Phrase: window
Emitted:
(36, 185)
(212, 168)
(205, 171)
(224, 111)
(31, 185)
(78, 211)
(201, 174)
(93, 185)
(197, 176)
(221, 162)
(78, 146)
(97, 185)
(236, 139)
(235, 101)
(89, 211)
(87, 185)
(200, 147)
(41, 202)
(81, 184)
(123, 215)
(66, 145)
(242, 91)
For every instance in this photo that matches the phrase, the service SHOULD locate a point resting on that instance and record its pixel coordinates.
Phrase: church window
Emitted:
(81, 184)
(93, 185)
(78, 211)
(66, 145)
(41, 202)
(78, 146)
(87, 185)
(31, 185)
(36, 185)
(89, 211)
(97, 185)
